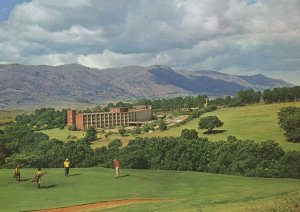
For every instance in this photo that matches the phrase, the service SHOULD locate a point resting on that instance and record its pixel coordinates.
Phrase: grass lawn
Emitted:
(8, 116)
(256, 122)
(189, 191)
(63, 134)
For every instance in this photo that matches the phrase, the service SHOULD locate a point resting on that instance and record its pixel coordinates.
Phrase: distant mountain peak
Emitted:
(22, 85)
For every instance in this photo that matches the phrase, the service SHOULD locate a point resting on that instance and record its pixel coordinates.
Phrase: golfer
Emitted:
(38, 177)
(17, 173)
(117, 166)
(67, 167)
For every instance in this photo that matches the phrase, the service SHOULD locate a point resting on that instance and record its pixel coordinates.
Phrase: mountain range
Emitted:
(73, 84)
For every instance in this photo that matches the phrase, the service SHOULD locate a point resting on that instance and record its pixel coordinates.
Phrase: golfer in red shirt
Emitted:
(117, 166)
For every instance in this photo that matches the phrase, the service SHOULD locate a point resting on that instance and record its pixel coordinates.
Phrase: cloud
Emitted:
(233, 36)
(109, 59)
(50, 59)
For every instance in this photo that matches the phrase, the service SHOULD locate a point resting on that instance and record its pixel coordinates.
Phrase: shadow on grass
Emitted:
(72, 175)
(25, 179)
(214, 132)
(126, 175)
(48, 186)
(297, 140)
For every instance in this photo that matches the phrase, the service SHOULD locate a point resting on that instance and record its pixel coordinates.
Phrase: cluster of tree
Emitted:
(20, 145)
(44, 118)
(177, 103)
(106, 108)
(170, 104)
(284, 94)
(190, 153)
(289, 120)
(244, 97)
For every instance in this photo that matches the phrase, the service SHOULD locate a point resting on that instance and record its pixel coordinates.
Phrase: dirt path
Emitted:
(100, 205)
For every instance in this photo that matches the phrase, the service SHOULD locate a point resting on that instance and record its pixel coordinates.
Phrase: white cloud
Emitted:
(49, 59)
(234, 36)
(109, 59)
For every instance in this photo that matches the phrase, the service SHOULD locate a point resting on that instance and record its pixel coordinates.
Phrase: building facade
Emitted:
(116, 117)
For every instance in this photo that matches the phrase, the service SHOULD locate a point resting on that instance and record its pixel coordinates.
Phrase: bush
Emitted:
(189, 134)
(122, 131)
(162, 125)
(146, 128)
(72, 128)
(289, 120)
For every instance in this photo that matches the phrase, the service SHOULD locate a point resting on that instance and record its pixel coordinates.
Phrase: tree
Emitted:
(146, 128)
(122, 131)
(44, 118)
(189, 134)
(117, 143)
(96, 109)
(137, 130)
(144, 101)
(162, 125)
(289, 120)
(120, 104)
(249, 96)
(268, 96)
(72, 128)
(209, 123)
(91, 134)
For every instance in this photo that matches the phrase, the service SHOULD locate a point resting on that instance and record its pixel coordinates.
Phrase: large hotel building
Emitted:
(116, 117)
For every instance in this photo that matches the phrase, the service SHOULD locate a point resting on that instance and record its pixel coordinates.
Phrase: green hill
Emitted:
(255, 122)
(190, 191)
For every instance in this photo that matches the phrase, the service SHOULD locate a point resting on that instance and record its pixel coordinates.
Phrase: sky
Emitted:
(242, 37)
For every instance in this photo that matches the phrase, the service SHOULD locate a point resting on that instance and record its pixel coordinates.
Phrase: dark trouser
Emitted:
(38, 182)
(67, 171)
(17, 175)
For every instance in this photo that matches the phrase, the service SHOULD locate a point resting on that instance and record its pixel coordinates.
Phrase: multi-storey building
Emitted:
(116, 117)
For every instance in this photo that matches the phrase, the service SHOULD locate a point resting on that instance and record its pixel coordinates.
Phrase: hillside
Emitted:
(255, 122)
(22, 85)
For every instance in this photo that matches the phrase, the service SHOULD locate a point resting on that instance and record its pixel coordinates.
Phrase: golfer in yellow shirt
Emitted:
(67, 167)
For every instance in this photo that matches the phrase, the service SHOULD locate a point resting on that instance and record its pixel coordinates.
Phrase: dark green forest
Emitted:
(44, 118)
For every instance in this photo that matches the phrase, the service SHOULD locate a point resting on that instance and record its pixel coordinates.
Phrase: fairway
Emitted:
(190, 191)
